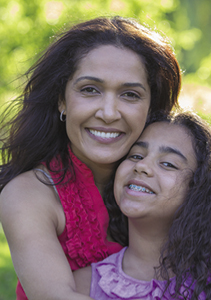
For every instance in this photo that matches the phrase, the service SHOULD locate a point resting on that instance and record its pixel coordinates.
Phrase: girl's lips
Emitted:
(139, 186)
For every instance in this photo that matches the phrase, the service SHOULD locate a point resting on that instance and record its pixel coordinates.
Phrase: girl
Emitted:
(85, 104)
(164, 188)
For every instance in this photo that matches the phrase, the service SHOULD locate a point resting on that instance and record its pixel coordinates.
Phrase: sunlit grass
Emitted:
(8, 279)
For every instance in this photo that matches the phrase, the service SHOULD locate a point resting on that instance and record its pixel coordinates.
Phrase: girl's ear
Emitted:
(61, 105)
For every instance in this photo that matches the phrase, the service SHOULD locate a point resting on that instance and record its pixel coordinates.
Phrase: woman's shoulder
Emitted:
(24, 184)
(28, 195)
(37, 180)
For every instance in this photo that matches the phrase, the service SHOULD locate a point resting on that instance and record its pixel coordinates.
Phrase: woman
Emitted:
(84, 105)
(163, 188)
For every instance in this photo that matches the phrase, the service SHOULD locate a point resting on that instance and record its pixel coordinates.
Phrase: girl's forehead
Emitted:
(164, 129)
(167, 133)
(160, 135)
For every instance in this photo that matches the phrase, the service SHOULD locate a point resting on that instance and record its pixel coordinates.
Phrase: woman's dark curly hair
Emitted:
(187, 251)
(35, 133)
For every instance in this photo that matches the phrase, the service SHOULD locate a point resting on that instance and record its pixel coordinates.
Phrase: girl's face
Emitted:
(106, 104)
(154, 178)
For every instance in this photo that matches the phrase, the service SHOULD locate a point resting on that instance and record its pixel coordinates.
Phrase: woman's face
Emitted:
(152, 182)
(106, 104)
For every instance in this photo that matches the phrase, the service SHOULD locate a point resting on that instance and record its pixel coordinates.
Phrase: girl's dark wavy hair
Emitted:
(36, 133)
(187, 251)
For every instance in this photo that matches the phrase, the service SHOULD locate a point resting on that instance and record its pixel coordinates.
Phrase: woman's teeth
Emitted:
(104, 135)
(139, 189)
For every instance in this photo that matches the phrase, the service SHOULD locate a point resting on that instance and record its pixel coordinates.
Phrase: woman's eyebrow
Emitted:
(126, 84)
(134, 84)
(88, 78)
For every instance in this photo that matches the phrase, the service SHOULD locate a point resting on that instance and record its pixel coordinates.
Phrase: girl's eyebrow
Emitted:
(96, 79)
(141, 144)
(162, 149)
(166, 149)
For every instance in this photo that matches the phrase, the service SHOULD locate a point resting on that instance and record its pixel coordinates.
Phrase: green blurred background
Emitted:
(27, 27)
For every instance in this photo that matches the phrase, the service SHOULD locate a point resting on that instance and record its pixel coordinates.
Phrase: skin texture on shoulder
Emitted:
(32, 218)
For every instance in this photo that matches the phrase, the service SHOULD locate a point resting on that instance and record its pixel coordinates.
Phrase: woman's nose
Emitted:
(109, 110)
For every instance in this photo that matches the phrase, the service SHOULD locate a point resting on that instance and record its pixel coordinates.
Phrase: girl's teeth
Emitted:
(139, 189)
(104, 135)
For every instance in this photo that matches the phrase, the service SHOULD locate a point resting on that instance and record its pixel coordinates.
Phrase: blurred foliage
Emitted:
(27, 27)
(8, 279)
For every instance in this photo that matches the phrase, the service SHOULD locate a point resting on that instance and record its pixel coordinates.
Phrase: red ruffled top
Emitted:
(84, 237)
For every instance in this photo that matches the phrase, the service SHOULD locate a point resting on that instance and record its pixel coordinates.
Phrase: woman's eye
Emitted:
(131, 95)
(169, 165)
(90, 90)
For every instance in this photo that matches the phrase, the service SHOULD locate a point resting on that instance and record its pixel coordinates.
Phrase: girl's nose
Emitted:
(108, 110)
(144, 166)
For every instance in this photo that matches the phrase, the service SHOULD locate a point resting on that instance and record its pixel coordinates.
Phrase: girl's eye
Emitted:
(169, 165)
(90, 90)
(131, 95)
(135, 157)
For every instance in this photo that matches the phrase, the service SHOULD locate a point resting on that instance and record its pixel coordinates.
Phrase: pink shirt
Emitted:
(110, 282)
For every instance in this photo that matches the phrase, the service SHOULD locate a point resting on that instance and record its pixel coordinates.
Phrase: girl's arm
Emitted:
(32, 218)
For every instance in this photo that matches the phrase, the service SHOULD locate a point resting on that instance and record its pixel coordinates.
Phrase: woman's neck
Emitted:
(101, 172)
(102, 179)
(102, 175)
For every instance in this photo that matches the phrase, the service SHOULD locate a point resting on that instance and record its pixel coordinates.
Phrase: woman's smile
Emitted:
(106, 105)
(108, 134)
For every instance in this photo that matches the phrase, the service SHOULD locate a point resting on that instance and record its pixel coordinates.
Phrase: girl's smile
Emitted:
(153, 180)
(139, 188)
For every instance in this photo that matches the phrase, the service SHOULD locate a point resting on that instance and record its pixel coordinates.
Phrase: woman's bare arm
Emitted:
(83, 280)
(32, 218)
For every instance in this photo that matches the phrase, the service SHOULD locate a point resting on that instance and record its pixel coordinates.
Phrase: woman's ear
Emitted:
(62, 106)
